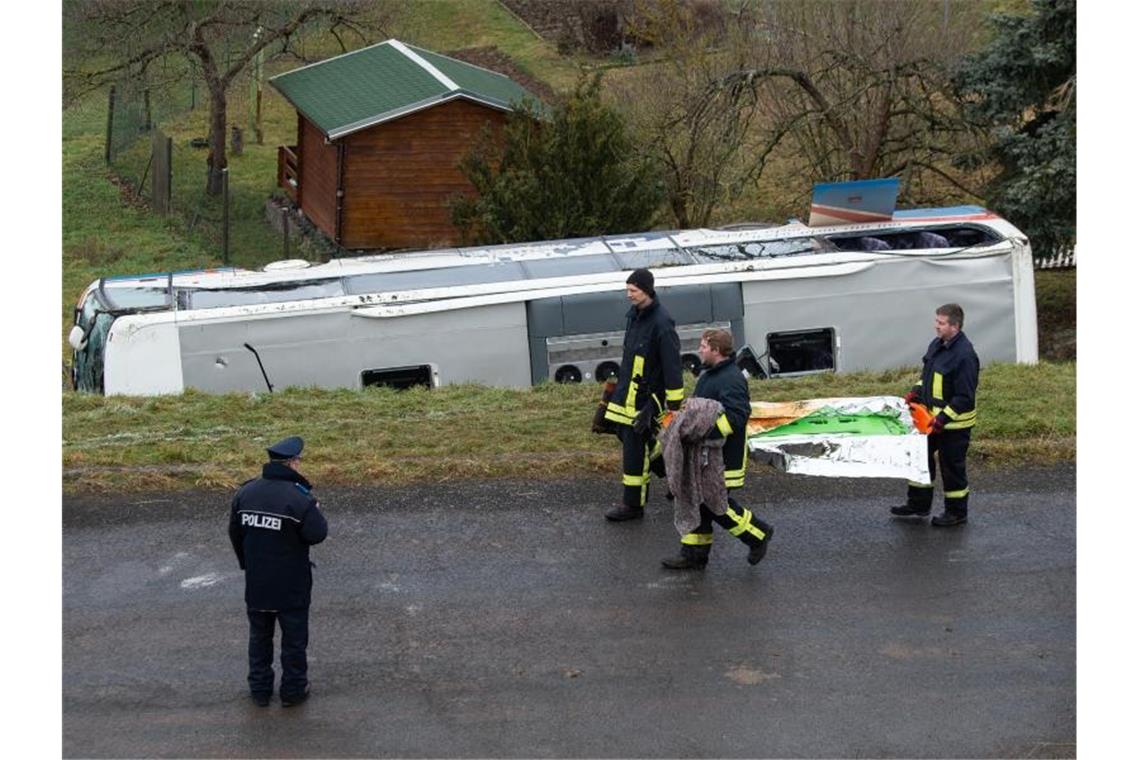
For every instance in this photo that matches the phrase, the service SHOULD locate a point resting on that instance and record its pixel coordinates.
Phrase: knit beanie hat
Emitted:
(642, 279)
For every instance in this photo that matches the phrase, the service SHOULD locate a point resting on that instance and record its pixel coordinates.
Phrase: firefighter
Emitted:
(649, 384)
(721, 380)
(274, 520)
(948, 388)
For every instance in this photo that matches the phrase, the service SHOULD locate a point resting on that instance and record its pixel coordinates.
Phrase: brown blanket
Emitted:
(694, 465)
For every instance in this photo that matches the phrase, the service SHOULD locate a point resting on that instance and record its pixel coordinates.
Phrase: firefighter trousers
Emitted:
(737, 520)
(949, 449)
(640, 455)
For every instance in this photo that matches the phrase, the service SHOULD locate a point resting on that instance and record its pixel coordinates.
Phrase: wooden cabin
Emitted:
(380, 133)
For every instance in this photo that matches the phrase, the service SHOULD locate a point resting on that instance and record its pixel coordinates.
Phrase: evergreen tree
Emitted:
(570, 172)
(1024, 87)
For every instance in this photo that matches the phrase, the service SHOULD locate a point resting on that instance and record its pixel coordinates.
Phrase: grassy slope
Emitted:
(456, 432)
(378, 435)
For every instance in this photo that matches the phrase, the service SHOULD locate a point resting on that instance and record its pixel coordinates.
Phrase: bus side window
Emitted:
(802, 351)
(398, 377)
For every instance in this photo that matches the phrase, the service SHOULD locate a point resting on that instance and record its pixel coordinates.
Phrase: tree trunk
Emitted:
(216, 161)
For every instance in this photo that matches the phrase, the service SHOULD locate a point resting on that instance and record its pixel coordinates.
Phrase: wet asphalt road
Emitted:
(509, 619)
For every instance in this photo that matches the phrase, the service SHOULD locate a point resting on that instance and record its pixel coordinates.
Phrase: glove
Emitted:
(646, 423)
(912, 397)
(673, 406)
(600, 424)
(937, 424)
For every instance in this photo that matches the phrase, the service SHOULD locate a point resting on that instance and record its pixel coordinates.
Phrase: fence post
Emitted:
(169, 174)
(285, 231)
(226, 216)
(110, 125)
(146, 107)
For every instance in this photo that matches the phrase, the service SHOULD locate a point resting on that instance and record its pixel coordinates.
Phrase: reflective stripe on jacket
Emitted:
(650, 365)
(726, 383)
(949, 381)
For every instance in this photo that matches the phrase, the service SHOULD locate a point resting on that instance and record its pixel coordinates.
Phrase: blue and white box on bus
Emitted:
(867, 200)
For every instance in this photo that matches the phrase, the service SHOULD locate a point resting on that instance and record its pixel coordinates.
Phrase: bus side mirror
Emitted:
(77, 338)
(749, 363)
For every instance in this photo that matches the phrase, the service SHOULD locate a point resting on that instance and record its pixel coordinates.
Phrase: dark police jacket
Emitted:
(949, 381)
(650, 365)
(274, 520)
(724, 382)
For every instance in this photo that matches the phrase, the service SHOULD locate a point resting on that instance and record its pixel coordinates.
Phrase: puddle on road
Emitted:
(201, 581)
(746, 676)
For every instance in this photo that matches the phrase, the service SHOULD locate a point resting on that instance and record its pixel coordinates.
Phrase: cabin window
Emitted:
(568, 266)
(134, 297)
(802, 351)
(758, 249)
(191, 298)
(911, 240)
(398, 377)
(655, 258)
(441, 277)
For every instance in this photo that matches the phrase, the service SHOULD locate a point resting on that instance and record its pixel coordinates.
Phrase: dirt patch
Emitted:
(496, 60)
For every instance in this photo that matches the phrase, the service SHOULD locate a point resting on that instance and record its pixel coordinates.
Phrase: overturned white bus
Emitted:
(804, 299)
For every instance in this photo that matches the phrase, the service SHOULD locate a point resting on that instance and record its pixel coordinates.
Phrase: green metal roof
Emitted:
(382, 82)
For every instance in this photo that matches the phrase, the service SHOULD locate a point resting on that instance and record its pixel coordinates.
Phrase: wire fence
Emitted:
(156, 145)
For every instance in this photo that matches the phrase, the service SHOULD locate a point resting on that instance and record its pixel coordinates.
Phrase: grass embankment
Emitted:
(1027, 416)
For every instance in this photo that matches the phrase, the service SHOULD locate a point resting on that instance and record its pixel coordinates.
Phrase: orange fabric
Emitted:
(921, 416)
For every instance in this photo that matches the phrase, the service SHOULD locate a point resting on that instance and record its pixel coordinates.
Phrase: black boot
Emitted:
(690, 558)
(948, 519)
(290, 700)
(757, 552)
(624, 512)
(911, 510)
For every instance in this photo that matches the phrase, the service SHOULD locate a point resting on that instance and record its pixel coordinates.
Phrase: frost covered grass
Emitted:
(1027, 415)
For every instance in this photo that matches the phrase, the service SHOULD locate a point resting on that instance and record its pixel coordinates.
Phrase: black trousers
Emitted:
(294, 640)
(640, 455)
(949, 449)
(737, 520)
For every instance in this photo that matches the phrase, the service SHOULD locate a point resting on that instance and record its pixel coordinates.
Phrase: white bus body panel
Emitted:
(142, 356)
(330, 348)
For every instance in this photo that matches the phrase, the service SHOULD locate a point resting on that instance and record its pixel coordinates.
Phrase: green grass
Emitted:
(1027, 415)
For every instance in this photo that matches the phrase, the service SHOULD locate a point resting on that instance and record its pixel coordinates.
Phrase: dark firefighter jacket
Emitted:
(725, 383)
(950, 381)
(650, 365)
(274, 520)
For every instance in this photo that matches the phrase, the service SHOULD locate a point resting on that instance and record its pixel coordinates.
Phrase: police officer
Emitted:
(948, 388)
(274, 520)
(649, 382)
(721, 380)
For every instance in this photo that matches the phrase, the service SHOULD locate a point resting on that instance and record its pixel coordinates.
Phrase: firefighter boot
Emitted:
(948, 519)
(953, 512)
(954, 509)
(624, 512)
(691, 557)
(919, 497)
(757, 551)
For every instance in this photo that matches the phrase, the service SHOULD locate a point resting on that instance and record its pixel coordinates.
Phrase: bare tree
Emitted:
(844, 89)
(862, 89)
(695, 128)
(113, 39)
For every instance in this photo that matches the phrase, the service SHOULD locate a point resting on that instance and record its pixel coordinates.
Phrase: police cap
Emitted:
(288, 448)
